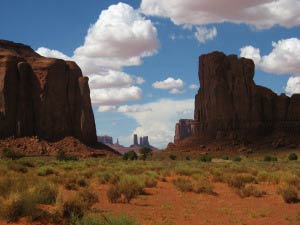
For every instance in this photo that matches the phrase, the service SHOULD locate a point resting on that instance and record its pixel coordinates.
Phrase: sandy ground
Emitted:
(165, 205)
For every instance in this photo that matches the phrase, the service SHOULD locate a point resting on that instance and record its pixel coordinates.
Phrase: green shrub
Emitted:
(205, 158)
(131, 155)
(145, 152)
(61, 155)
(237, 159)
(269, 158)
(172, 156)
(73, 207)
(293, 157)
(46, 193)
(82, 183)
(225, 158)
(10, 154)
(17, 167)
(288, 192)
(45, 171)
(183, 184)
(108, 177)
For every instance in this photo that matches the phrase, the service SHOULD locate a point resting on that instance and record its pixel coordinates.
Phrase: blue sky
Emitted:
(168, 39)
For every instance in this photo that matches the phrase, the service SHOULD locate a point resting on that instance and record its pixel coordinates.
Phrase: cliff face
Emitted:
(230, 105)
(43, 97)
(229, 100)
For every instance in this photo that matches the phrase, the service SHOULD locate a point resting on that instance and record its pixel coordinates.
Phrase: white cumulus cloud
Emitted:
(110, 79)
(285, 52)
(115, 96)
(120, 37)
(293, 86)
(52, 53)
(283, 59)
(107, 108)
(258, 13)
(172, 85)
(204, 34)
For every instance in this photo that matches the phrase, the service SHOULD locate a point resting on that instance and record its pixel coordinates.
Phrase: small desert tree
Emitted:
(131, 155)
(145, 151)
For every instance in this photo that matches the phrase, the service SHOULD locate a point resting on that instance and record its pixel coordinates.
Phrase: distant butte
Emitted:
(231, 108)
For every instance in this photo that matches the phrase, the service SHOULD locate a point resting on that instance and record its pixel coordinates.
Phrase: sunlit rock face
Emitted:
(43, 97)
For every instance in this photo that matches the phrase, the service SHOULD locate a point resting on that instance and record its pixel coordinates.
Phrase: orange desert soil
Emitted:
(165, 205)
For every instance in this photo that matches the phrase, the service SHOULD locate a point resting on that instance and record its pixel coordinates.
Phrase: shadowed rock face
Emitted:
(230, 103)
(43, 97)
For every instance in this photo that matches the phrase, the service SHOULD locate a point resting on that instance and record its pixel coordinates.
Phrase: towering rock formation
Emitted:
(230, 105)
(43, 97)
(135, 139)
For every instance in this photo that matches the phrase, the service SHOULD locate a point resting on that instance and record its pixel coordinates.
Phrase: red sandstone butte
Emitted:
(44, 97)
(229, 105)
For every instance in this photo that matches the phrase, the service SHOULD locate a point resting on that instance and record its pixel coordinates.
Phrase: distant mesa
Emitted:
(143, 142)
(229, 106)
(105, 140)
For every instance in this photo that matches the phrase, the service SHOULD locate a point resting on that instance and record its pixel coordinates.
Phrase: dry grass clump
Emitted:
(250, 190)
(108, 177)
(203, 186)
(126, 189)
(240, 180)
(45, 171)
(183, 184)
(77, 205)
(288, 192)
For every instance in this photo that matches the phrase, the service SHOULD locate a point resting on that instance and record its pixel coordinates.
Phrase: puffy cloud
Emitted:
(285, 52)
(110, 79)
(107, 108)
(258, 13)
(120, 37)
(52, 53)
(250, 52)
(175, 91)
(115, 96)
(204, 34)
(139, 80)
(293, 86)
(193, 86)
(134, 109)
(170, 84)
(159, 122)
